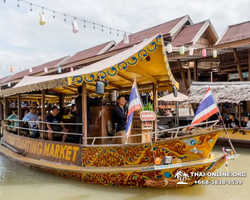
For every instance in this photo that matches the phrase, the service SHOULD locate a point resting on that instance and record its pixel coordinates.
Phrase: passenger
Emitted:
(73, 110)
(78, 102)
(246, 119)
(30, 117)
(67, 114)
(54, 117)
(233, 122)
(13, 118)
(119, 114)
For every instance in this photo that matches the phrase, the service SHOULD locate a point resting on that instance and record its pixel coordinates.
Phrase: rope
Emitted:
(43, 122)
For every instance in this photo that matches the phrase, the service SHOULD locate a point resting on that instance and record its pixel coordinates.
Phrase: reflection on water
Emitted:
(21, 183)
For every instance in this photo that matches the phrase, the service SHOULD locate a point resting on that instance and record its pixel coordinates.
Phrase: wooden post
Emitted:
(211, 76)
(239, 115)
(155, 106)
(182, 74)
(195, 70)
(249, 64)
(237, 60)
(43, 126)
(84, 112)
(19, 112)
(5, 109)
(189, 77)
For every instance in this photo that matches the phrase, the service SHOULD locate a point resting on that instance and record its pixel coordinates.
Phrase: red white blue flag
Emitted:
(134, 104)
(206, 109)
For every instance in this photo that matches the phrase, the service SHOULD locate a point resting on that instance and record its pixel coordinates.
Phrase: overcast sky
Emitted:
(24, 42)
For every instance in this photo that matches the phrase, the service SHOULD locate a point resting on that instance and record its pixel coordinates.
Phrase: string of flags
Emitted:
(75, 27)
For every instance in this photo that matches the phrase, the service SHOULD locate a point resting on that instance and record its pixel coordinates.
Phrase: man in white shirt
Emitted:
(246, 119)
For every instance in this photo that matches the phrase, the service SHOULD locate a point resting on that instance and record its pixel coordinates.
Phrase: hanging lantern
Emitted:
(191, 51)
(30, 70)
(9, 84)
(182, 50)
(12, 69)
(45, 69)
(42, 19)
(71, 69)
(125, 38)
(75, 27)
(169, 48)
(204, 52)
(215, 53)
(59, 70)
(145, 39)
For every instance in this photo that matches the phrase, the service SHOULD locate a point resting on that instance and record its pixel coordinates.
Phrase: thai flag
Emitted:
(134, 104)
(206, 109)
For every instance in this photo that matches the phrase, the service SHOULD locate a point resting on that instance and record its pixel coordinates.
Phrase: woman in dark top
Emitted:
(119, 115)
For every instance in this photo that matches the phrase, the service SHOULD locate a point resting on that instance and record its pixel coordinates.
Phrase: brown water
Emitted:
(21, 183)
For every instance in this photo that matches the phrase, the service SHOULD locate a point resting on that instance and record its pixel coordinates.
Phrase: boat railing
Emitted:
(174, 131)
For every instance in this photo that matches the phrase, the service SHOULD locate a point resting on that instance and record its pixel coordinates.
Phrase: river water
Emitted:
(18, 182)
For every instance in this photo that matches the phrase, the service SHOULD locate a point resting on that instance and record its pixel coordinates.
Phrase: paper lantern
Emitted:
(169, 48)
(42, 19)
(125, 38)
(204, 52)
(145, 39)
(59, 70)
(75, 27)
(9, 84)
(191, 51)
(182, 50)
(12, 69)
(30, 70)
(45, 69)
(158, 161)
(71, 69)
(215, 53)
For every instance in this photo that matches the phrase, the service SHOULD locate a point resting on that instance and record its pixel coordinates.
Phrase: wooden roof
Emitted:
(167, 28)
(91, 52)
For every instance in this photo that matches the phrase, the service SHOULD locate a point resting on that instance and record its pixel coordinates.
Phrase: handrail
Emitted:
(121, 136)
(42, 122)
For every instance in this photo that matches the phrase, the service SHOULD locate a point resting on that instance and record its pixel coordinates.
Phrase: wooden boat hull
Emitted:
(186, 148)
(139, 176)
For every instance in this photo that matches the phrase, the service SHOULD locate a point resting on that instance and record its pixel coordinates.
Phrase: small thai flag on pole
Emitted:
(206, 109)
(134, 104)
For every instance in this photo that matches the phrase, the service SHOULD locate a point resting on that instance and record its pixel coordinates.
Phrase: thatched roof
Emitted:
(231, 92)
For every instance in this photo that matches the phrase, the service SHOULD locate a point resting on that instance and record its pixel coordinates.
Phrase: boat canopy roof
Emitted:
(147, 62)
(231, 92)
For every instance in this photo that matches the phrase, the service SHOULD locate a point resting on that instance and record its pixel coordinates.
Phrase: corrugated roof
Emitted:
(87, 53)
(164, 28)
(35, 70)
(235, 32)
(187, 34)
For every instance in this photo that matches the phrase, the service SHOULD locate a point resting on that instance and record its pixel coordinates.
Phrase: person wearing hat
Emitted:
(119, 114)
(32, 118)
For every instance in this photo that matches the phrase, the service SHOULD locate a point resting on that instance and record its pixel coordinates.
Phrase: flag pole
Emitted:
(224, 126)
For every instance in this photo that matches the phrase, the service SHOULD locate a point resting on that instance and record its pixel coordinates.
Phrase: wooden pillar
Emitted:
(239, 108)
(189, 77)
(84, 112)
(211, 76)
(43, 126)
(19, 112)
(5, 109)
(182, 74)
(195, 70)
(249, 64)
(61, 101)
(237, 60)
(155, 106)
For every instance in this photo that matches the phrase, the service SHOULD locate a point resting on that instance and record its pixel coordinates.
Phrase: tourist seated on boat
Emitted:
(67, 114)
(24, 125)
(247, 121)
(31, 117)
(13, 119)
(221, 120)
(233, 122)
(54, 117)
(73, 110)
(119, 115)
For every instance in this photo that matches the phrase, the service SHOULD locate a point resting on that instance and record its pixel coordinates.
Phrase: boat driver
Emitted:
(119, 114)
